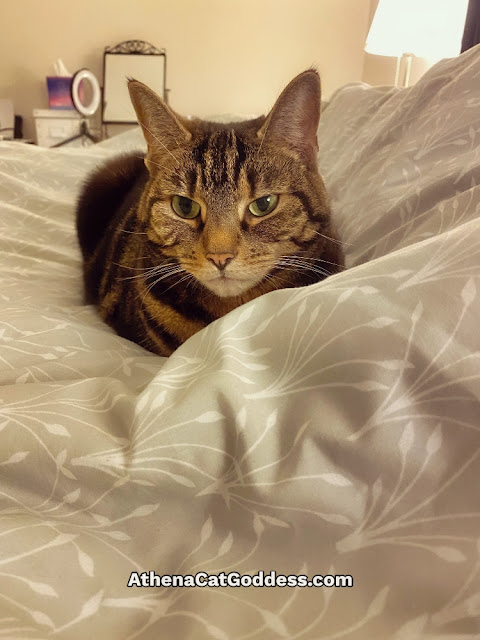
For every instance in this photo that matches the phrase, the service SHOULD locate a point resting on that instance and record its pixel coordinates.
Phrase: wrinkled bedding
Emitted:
(328, 430)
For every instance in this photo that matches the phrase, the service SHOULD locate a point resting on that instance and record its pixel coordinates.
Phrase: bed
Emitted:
(332, 430)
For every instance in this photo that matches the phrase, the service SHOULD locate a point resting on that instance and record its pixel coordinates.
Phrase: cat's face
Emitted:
(228, 209)
(231, 204)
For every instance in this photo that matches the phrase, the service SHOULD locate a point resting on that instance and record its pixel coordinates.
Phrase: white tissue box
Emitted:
(55, 125)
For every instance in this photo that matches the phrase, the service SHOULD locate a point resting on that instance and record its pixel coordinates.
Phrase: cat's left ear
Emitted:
(294, 118)
(161, 126)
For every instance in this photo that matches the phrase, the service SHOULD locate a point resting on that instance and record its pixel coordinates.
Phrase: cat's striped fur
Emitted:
(158, 278)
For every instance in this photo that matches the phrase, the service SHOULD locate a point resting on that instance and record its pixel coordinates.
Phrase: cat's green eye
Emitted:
(185, 208)
(263, 206)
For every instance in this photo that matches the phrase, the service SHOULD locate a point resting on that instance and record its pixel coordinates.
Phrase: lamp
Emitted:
(425, 28)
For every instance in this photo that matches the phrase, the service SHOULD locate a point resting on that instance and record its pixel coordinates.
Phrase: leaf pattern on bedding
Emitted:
(327, 430)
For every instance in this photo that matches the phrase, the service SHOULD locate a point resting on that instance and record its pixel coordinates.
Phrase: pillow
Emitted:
(402, 165)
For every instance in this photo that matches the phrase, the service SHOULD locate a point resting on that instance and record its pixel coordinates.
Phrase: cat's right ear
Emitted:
(161, 126)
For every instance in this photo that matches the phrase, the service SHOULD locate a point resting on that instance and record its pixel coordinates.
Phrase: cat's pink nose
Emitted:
(220, 260)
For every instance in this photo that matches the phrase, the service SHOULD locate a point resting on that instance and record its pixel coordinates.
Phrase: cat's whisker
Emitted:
(307, 267)
(340, 242)
(150, 272)
(150, 161)
(163, 276)
(300, 258)
(299, 263)
(150, 286)
(294, 266)
(158, 140)
(276, 280)
(192, 282)
(127, 266)
(134, 233)
(264, 136)
(186, 278)
(296, 269)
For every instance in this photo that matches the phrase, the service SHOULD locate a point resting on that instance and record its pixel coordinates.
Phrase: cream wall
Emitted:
(223, 55)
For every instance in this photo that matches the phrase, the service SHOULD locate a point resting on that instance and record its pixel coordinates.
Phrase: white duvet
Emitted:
(328, 430)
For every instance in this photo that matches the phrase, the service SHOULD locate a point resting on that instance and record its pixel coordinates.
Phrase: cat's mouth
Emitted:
(227, 286)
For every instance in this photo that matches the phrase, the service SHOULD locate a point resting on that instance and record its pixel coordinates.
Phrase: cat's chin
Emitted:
(227, 287)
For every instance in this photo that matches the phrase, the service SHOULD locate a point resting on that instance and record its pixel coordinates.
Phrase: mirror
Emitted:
(85, 92)
(130, 59)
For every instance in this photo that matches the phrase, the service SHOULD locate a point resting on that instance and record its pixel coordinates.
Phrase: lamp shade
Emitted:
(426, 28)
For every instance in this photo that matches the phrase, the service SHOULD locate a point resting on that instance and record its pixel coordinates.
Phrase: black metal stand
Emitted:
(84, 133)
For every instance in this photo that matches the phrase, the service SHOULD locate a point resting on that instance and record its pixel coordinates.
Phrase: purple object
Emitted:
(59, 92)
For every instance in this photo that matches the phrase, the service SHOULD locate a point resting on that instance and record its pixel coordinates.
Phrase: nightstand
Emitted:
(54, 125)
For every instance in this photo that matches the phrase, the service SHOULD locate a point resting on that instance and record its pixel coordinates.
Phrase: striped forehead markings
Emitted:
(220, 156)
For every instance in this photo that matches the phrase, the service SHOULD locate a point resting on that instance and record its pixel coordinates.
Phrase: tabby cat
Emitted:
(213, 216)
